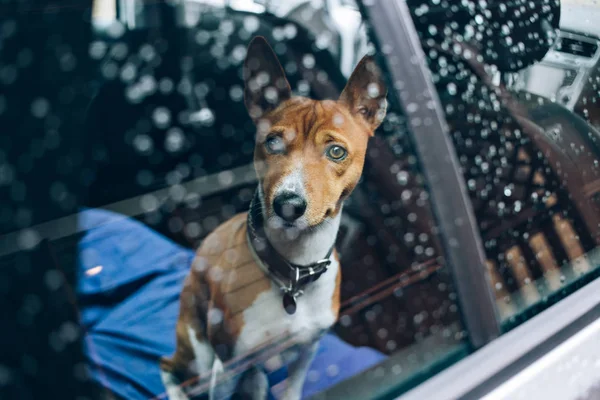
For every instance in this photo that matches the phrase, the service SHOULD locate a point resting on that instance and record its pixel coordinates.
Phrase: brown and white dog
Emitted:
(273, 271)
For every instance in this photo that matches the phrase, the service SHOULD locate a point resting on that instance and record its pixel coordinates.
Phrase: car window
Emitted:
(168, 163)
(179, 158)
(149, 135)
(518, 93)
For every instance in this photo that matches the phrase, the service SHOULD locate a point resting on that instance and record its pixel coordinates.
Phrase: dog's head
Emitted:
(309, 154)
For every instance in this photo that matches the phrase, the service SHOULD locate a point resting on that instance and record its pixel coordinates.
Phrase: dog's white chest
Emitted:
(266, 319)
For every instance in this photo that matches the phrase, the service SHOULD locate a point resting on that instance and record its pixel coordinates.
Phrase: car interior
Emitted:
(396, 292)
(171, 145)
(531, 222)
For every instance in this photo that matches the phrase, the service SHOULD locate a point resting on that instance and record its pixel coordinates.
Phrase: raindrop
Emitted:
(251, 23)
(116, 29)
(68, 62)
(324, 40)
(8, 74)
(346, 320)
(202, 37)
(205, 117)
(149, 203)
(225, 178)
(40, 107)
(271, 95)
(402, 178)
(421, 10)
(58, 191)
(303, 88)
(215, 316)
(332, 370)
(110, 70)
(451, 89)
(308, 61)
(418, 318)
(28, 239)
(147, 84)
(199, 264)
(166, 85)
(412, 107)
(5, 375)
(215, 273)
(174, 140)
(238, 54)
(147, 52)
(373, 90)
(6, 174)
(313, 376)
(128, 72)
(192, 229)
(119, 51)
(69, 331)
(290, 31)
(143, 143)
(9, 27)
(53, 279)
(161, 117)
(227, 27)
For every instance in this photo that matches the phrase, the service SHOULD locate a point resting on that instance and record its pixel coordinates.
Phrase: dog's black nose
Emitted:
(289, 206)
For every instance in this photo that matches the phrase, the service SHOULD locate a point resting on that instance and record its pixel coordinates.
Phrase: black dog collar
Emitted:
(291, 278)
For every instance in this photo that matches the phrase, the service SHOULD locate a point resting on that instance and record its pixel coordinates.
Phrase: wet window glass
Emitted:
(211, 198)
(211, 253)
(519, 91)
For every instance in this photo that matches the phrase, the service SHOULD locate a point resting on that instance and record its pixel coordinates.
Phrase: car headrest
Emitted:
(512, 34)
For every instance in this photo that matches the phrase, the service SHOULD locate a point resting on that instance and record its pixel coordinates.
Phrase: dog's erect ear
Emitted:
(265, 83)
(365, 93)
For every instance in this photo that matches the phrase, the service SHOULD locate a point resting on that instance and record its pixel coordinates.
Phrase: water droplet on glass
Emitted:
(205, 117)
(373, 90)
(402, 177)
(40, 107)
(308, 61)
(174, 140)
(251, 23)
(28, 239)
(161, 117)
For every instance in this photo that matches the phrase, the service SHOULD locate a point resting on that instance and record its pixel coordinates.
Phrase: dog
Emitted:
(273, 272)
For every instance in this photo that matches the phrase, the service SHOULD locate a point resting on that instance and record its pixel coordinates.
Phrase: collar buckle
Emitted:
(324, 263)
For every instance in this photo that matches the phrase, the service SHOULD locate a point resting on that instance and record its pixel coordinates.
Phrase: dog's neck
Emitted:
(305, 247)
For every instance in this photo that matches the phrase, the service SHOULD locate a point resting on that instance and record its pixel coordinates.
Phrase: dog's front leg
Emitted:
(297, 371)
(254, 385)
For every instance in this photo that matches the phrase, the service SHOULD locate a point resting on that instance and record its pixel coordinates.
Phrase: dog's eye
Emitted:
(274, 145)
(336, 153)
